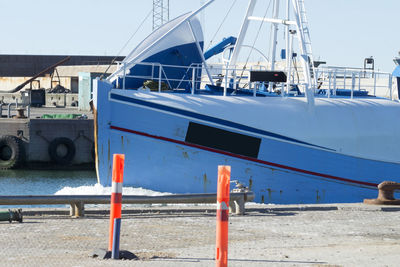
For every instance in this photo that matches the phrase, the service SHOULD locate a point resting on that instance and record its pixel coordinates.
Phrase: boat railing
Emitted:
(331, 81)
(159, 74)
(375, 83)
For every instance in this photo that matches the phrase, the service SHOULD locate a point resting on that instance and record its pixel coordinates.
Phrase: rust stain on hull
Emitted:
(96, 151)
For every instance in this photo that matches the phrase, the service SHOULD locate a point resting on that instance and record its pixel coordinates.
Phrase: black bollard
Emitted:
(11, 215)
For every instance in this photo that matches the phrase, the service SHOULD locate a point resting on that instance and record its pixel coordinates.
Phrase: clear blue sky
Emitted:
(343, 32)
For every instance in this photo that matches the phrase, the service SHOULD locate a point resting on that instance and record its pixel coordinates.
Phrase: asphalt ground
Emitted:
(176, 235)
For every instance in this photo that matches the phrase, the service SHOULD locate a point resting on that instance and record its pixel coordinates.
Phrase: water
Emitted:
(35, 182)
(49, 182)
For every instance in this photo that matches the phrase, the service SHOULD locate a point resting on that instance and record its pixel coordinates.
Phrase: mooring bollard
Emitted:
(221, 255)
(11, 215)
(116, 195)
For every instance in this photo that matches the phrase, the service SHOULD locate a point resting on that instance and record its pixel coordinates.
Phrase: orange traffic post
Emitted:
(224, 176)
(116, 193)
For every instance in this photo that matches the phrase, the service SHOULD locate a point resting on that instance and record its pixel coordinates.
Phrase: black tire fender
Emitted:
(54, 153)
(11, 152)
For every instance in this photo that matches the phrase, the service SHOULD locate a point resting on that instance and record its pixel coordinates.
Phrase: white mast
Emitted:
(300, 36)
(304, 55)
(275, 35)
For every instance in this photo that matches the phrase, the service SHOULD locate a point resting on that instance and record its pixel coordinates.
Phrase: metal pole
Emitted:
(123, 81)
(275, 35)
(304, 58)
(353, 81)
(159, 77)
(289, 56)
(193, 79)
(274, 40)
(330, 85)
(116, 239)
(200, 52)
(287, 34)
(226, 78)
(242, 33)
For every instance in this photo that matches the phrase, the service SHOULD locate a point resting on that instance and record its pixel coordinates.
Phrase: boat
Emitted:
(176, 120)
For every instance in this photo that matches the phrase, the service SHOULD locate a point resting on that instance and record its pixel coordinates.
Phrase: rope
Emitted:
(126, 44)
(220, 25)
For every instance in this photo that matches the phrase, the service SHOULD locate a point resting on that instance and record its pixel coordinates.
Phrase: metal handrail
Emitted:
(77, 202)
(362, 79)
(332, 78)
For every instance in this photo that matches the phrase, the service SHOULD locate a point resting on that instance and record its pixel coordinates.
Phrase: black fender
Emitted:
(64, 158)
(12, 152)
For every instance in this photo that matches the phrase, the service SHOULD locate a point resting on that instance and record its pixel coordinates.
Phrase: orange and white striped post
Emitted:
(116, 193)
(223, 191)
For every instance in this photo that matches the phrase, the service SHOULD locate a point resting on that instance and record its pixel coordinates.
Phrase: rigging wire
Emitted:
(126, 43)
(220, 25)
(254, 42)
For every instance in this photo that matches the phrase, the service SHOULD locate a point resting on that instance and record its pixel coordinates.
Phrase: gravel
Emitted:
(273, 235)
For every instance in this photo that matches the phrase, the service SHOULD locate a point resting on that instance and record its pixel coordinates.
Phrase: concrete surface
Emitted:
(37, 135)
(269, 235)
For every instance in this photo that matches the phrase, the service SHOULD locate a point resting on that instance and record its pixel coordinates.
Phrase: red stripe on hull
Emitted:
(246, 158)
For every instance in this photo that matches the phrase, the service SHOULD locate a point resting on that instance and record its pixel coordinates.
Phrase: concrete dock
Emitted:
(269, 235)
(66, 141)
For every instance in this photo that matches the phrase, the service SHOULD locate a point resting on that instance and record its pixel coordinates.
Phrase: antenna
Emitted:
(160, 13)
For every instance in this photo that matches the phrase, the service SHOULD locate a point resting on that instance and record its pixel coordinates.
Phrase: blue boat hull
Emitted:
(159, 157)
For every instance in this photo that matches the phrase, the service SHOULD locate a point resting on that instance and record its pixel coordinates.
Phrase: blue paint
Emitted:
(170, 167)
(116, 239)
(396, 71)
(220, 47)
(178, 56)
(206, 118)
(343, 92)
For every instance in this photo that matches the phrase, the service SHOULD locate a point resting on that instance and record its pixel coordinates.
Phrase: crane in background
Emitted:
(160, 13)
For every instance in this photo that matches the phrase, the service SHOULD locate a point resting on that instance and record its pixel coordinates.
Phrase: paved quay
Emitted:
(174, 235)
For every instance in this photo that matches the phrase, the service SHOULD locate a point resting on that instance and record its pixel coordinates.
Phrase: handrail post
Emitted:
(330, 84)
(226, 79)
(193, 79)
(123, 81)
(353, 81)
(390, 87)
(334, 82)
(374, 85)
(159, 77)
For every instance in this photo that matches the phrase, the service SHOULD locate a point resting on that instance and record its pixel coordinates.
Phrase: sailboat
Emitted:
(176, 120)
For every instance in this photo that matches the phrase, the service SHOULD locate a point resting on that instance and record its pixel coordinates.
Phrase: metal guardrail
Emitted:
(18, 108)
(77, 202)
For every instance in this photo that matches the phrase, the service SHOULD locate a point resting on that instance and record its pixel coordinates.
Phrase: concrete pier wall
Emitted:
(38, 134)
